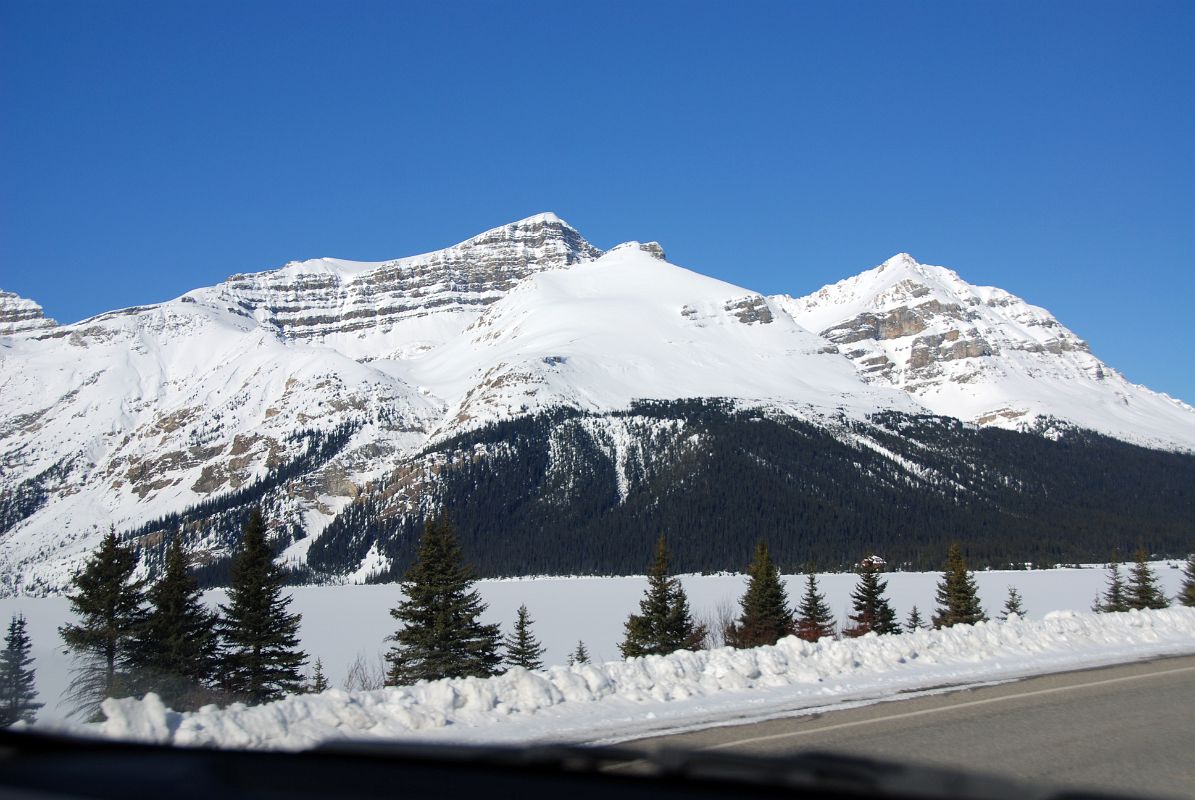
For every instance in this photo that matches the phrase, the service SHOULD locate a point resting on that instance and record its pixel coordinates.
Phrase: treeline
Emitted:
(28, 496)
(541, 495)
(441, 635)
(130, 639)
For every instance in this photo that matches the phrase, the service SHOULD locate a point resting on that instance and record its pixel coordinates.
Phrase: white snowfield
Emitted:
(625, 699)
(628, 326)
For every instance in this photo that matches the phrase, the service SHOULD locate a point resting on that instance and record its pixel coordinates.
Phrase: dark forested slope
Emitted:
(573, 493)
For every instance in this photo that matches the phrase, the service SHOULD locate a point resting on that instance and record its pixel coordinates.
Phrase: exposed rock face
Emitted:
(20, 315)
(653, 249)
(750, 310)
(326, 297)
(979, 353)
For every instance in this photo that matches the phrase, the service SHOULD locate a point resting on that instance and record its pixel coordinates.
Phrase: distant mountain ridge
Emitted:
(326, 384)
(981, 354)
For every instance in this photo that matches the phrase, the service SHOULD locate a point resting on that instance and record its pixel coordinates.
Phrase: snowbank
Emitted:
(627, 698)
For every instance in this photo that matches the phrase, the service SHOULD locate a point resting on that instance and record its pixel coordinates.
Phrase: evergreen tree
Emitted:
(872, 610)
(765, 617)
(177, 651)
(814, 620)
(1143, 590)
(319, 681)
(579, 656)
(522, 648)
(261, 659)
(1186, 592)
(17, 690)
(1115, 596)
(663, 624)
(108, 603)
(958, 596)
(1013, 604)
(915, 622)
(441, 635)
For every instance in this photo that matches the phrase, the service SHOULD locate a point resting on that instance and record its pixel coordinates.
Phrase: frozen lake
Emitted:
(341, 623)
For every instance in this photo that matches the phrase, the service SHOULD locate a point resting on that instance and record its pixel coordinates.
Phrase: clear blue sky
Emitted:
(147, 148)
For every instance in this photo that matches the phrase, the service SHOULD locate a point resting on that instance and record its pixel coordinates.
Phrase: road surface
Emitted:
(1128, 728)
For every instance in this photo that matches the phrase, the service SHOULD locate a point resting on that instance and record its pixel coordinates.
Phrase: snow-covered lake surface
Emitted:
(341, 623)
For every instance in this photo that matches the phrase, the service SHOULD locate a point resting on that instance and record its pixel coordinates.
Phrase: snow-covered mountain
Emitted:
(982, 355)
(137, 413)
(630, 326)
(323, 381)
(18, 315)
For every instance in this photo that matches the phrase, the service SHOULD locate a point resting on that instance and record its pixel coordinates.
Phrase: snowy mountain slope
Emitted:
(133, 415)
(306, 386)
(136, 414)
(568, 492)
(631, 326)
(983, 355)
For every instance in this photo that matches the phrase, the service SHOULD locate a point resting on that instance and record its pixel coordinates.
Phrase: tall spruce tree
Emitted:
(814, 620)
(1186, 592)
(18, 690)
(1115, 594)
(261, 659)
(663, 624)
(958, 596)
(915, 621)
(765, 617)
(522, 648)
(108, 604)
(1013, 604)
(177, 649)
(1143, 590)
(442, 635)
(872, 610)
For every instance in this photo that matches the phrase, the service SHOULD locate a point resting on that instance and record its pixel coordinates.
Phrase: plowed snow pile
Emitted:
(623, 699)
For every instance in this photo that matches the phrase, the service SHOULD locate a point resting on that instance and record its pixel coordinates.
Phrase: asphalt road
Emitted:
(1128, 728)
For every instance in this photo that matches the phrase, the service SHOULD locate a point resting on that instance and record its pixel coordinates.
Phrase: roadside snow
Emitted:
(627, 698)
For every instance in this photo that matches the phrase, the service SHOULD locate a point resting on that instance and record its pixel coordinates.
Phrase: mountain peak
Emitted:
(653, 249)
(535, 222)
(903, 266)
(980, 354)
(543, 218)
(325, 297)
(900, 260)
(543, 232)
(20, 314)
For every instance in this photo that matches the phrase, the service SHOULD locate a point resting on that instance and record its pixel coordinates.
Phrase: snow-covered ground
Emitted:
(623, 699)
(342, 623)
